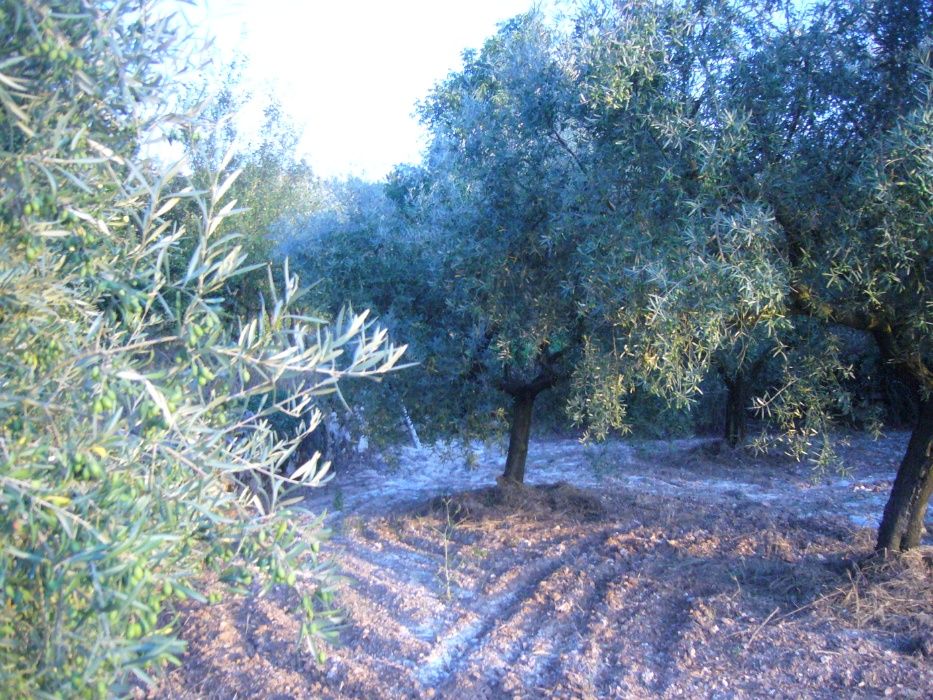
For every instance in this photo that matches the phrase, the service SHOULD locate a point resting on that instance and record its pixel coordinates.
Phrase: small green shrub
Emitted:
(130, 466)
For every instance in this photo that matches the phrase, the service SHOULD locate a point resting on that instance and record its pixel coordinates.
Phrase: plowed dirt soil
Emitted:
(667, 570)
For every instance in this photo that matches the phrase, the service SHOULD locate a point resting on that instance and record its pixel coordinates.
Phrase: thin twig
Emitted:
(808, 605)
(778, 620)
(761, 627)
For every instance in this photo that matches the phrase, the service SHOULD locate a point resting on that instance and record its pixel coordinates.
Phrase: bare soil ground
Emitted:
(670, 569)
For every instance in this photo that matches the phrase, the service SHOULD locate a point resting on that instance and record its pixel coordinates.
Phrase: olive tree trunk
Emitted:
(519, 434)
(902, 524)
(736, 413)
(523, 393)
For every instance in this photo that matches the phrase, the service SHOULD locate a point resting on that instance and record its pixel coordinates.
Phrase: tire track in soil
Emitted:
(608, 573)
(674, 619)
(592, 662)
(373, 578)
(537, 625)
(395, 635)
(407, 539)
(511, 552)
(455, 649)
(662, 612)
(605, 653)
(420, 568)
(457, 654)
(413, 556)
(544, 663)
(522, 634)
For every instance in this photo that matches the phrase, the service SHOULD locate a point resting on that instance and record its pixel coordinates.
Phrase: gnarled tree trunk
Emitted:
(519, 435)
(523, 393)
(902, 523)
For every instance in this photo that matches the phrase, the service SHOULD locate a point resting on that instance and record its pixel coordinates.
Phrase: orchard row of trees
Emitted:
(625, 203)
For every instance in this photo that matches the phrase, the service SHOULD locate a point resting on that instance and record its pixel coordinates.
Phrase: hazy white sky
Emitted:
(349, 72)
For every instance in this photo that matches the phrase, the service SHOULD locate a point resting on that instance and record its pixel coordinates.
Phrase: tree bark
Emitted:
(736, 413)
(519, 434)
(902, 523)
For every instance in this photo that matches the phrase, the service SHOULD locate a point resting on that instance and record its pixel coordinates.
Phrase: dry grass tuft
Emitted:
(892, 593)
(530, 502)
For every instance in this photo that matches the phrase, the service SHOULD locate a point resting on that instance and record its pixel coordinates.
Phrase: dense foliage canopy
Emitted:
(135, 450)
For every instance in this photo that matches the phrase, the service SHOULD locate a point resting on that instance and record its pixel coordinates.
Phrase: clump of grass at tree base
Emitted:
(892, 594)
(125, 477)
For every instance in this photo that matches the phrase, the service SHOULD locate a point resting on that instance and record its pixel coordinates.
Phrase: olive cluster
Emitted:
(146, 617)
(312, 627)
(53, 50)
(79, 251)
(77, 247)
(278, 571)
(39, 357)
(202, 373)
(42, 205)
(106, 397)
(84, 466)
(120, 301)
(237, 576)
(203, 331)
(39, 205)
(122, 488)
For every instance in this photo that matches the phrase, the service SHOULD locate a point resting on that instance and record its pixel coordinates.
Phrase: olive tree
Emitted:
(575, 252)
(899, 216)
(131, 471)
(502, 174)
(786, 150)
(837, 103)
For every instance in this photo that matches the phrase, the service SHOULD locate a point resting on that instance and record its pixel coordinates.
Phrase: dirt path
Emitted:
(709, 575)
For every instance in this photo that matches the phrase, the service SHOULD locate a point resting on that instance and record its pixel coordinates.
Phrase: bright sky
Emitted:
(349, 72)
